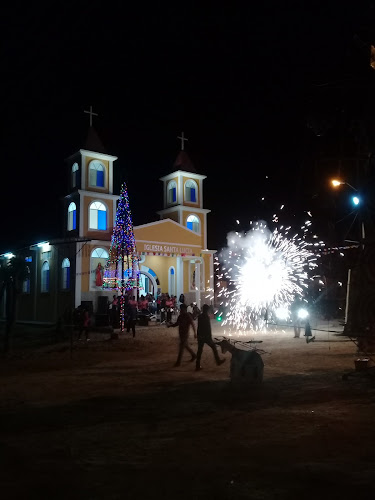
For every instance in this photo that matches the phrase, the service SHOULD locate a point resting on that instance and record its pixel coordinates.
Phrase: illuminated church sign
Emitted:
(174, 249)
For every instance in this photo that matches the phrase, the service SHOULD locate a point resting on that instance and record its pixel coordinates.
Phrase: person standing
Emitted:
(130, 316)
(294, 309)
(114, 312)
(204, 335)
(184, 321)
(84, 324)
(169, 307)
(163, 308)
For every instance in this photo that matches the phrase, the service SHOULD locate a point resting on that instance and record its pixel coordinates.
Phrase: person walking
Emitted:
(184, 321)
(204, 335)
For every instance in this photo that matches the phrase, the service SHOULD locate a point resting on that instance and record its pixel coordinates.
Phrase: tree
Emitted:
(12, 275)
(121, 271)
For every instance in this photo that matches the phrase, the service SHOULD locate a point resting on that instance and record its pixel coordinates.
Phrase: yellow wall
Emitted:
(185, 215)
(164, 232)
(160, 265)
(173, 216)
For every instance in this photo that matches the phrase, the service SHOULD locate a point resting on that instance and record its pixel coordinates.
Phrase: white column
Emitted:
(81, 214)
(36, 284)
(114, 213)
(83, 172)
(180, 188)
(212, 274)
(110, 177)
(179, 276)
(78, 280)
(198, 283)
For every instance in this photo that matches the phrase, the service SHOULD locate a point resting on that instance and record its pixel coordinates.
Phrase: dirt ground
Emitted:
(113, 419)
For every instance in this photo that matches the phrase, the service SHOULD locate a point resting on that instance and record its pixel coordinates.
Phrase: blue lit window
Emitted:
(26, 282)
(72, 217)
(190, 191)
(192, 222)
(45, 278)
(171, 282)
(172, 192)
(96, 174)
(65, 268)
(75, 170)
(98, 216)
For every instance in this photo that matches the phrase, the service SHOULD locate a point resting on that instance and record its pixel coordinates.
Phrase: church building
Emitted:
(172, 251)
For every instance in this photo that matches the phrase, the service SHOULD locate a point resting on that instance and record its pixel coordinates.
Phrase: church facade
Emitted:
(172, 251)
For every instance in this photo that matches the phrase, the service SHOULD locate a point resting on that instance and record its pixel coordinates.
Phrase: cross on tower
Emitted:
(91, 113)
(183, 139)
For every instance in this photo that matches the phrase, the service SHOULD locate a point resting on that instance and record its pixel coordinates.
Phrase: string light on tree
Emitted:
(122, 272)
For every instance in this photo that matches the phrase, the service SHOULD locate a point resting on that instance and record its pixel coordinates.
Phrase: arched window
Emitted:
(96, 173)
(72, 216)
(75, 170)
(26, 282)
(171, 282)
(191, 191)
(98, 216)
(172, 192)
(44, 282)
(99, 257)
(65, 274)
(193, 223)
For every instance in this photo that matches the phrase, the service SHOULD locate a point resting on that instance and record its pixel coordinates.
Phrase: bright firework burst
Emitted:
(264, 271)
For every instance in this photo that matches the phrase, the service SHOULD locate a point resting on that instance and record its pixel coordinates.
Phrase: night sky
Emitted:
(257, 89)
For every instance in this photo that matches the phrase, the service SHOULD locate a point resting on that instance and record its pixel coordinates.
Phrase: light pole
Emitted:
(356, 201)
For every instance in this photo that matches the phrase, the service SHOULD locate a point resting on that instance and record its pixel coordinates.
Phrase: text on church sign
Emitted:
(148, 247)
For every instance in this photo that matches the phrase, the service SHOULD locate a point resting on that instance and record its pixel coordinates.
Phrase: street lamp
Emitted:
(356, 201)
(336, 183)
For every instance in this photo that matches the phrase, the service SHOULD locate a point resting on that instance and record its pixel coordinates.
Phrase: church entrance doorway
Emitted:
(147, 284)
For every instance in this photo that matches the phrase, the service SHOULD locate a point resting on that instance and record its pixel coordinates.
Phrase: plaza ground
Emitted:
(113, 419)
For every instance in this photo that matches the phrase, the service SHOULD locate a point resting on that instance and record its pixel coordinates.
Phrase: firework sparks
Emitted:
(263, 271)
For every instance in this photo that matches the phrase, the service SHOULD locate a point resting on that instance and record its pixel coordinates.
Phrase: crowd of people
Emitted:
(166, 308)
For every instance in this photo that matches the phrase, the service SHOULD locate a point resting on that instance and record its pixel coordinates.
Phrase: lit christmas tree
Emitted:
(121, 272)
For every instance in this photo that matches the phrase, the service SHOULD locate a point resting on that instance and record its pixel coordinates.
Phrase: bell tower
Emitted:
(183, 195)
(90, 206)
